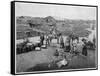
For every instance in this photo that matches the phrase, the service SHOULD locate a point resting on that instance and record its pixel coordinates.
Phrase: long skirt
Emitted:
(84, 51)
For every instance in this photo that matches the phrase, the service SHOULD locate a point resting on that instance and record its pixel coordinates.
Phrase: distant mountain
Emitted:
(50, 20)
(59, 18)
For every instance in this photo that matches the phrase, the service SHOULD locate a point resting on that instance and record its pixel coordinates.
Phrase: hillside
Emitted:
(66, 26)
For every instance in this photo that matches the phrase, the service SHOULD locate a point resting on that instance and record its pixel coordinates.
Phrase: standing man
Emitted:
(67, 44)
(42, 39)
(61, 42)
(47, 40)
(58, 37)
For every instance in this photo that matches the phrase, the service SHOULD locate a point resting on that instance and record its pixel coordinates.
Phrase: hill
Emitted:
(66, 26)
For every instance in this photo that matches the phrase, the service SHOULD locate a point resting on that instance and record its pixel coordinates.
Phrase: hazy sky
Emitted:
(63, 11)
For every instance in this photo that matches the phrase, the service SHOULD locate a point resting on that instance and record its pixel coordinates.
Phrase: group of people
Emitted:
(73, 45)
(45, 40)
(70, 44)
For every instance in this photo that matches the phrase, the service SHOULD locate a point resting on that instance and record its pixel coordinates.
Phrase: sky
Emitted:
(62, 11)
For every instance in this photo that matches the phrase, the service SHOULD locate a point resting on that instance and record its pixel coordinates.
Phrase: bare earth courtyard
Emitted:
(39, 60)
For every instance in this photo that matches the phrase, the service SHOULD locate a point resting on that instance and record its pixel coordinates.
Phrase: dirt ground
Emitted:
(39, 60)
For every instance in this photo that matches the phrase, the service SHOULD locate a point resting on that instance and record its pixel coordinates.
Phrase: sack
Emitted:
(43, 46)
(62, 63)
(38, 48)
